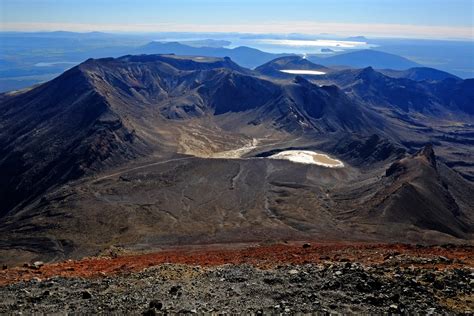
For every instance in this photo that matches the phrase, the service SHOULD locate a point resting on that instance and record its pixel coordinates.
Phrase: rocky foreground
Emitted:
(262, 279)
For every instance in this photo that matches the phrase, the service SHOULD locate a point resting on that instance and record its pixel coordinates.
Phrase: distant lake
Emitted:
(57, 63)
(324, 43)
(278, 45)
(303, 72)
(306, 46)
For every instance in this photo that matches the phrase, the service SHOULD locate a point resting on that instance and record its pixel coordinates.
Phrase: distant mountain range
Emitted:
(419, 74)
(153, 150)
(72, 48)
(365, 58)
(274, 68)
(251, 57)
(245, 56)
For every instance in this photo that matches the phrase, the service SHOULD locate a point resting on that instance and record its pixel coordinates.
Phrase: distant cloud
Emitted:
(379, 30)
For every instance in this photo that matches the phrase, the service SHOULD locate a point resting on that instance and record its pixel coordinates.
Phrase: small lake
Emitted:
(308, 157)
(303, 72)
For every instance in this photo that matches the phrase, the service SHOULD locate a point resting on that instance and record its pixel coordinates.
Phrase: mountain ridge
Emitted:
(111, 97)
(163, 149)
(366, 58)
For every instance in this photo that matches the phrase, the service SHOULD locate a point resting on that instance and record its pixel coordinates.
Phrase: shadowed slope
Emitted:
(105, 112)
(103, 145)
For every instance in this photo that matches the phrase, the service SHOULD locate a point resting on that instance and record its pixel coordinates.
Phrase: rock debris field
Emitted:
(297, 278)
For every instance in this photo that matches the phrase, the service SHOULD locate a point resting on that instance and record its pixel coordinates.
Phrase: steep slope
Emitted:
(367, 151)
(417, 194)
(439, 112)
(105, 112)
(219, 86)
(95, 158)
(89, 118)
(424, 90)
(458, 94)
(328, 109)
(405, 94)
(58, 131)
(184, 87)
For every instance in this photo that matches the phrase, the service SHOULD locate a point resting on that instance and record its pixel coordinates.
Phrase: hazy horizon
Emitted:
(388, 19)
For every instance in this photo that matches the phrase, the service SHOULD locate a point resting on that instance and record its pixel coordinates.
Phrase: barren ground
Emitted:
(282, 278)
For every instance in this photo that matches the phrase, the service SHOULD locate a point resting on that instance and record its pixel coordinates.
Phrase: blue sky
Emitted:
(407, 18)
